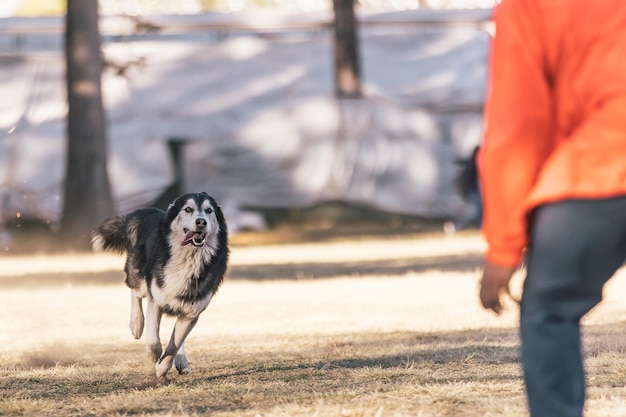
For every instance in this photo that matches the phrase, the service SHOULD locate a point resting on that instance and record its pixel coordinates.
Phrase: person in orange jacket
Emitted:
(552, 168)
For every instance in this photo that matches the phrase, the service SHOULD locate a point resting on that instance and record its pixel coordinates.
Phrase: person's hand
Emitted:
(495, 283)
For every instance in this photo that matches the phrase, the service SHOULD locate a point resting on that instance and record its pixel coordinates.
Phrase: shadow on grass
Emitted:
(392, 267)
(481, 347)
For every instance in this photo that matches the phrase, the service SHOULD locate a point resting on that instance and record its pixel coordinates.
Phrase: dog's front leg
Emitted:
(153, 321)
(181, 330)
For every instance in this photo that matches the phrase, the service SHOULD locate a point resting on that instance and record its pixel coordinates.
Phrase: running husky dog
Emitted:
(176, 260)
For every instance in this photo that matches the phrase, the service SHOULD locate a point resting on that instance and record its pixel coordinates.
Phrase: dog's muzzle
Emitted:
(195, 237)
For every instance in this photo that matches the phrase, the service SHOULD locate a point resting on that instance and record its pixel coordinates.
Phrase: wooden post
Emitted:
(347, 59)
(87, 197)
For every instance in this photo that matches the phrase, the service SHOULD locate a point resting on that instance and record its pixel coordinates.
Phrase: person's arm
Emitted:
(517, 140)
(518, 127)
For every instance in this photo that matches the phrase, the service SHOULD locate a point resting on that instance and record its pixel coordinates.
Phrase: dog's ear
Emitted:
(205, 193)
(172, 212)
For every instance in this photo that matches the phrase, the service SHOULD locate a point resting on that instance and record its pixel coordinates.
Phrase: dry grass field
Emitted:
(386, 327)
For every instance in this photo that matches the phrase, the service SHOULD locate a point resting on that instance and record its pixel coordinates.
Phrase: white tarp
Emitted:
(264, 127)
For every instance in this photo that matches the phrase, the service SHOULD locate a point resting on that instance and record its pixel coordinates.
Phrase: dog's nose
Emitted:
(200, 223)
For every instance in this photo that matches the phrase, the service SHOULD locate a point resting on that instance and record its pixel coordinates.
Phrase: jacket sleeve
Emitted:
(518, 128)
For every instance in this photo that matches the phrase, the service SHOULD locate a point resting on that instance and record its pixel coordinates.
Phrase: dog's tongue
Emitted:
(189, 236)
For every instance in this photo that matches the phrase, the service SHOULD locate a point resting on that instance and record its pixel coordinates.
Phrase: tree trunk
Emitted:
(87, 198)
(347, 60)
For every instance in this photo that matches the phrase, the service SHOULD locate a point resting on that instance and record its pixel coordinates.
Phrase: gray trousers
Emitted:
(575, 247)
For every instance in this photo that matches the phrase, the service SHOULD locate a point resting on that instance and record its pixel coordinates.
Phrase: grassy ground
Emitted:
(387, 327)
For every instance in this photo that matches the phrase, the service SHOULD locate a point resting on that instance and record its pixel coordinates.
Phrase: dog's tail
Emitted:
(114, 235)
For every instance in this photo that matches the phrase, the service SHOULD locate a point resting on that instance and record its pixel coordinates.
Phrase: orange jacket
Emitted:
(555, 113)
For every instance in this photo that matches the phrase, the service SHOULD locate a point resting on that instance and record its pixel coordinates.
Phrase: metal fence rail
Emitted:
(253, 21)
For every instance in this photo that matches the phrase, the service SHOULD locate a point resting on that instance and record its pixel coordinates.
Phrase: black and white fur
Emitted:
(176, 260)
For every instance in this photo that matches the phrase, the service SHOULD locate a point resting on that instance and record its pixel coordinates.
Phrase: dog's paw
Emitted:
(182, 365)
(162, 367)
(184, 371)
(162, 380)
(136, 326)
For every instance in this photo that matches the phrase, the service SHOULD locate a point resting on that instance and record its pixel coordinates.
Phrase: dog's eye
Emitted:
(188, 210)
(209, 210)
